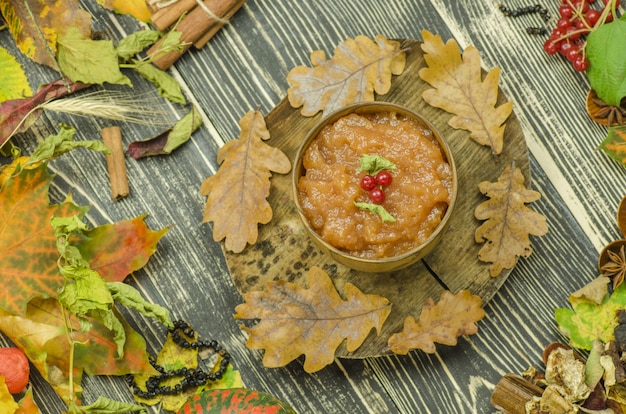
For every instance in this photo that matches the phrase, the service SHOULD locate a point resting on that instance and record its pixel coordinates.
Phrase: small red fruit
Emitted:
(377, 196)
(368, 182)
(15, 369)
(384, 178)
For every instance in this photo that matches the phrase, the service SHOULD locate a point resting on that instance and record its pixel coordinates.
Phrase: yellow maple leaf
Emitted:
(359, 67)
(442, 322)
(460, 89)
(509, 221)
(136, 8)
(36, 24)
(237, 192)
(13, 82)
(313, 322)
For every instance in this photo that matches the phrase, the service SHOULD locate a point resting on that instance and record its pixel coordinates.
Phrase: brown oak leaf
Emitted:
(359, 67)
(237, 192)
(509, 221)
(313, 321)
(460, 90)
(442, 322)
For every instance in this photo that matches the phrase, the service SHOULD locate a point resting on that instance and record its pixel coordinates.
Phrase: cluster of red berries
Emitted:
(576, 20)
(376, 184)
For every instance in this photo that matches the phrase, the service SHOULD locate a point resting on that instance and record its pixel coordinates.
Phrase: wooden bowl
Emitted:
(386, 264)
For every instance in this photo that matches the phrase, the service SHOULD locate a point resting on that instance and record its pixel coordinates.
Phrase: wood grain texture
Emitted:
(244, 67)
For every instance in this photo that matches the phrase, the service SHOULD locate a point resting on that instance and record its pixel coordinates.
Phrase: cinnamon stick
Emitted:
(193, 26)
(512, 393)
(167, 16)
(199, 44)
(112, 137)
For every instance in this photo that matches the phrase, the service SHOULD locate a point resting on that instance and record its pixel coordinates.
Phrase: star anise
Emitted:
(614, 114)
(615, 267)
(604, 113)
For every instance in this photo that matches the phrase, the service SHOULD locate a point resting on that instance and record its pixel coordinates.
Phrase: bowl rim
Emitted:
(368, 108)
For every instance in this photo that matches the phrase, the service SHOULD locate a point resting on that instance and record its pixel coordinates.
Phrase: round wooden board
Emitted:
(284, 251)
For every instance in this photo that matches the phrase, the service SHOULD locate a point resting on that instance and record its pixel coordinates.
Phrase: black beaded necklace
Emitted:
(189, 377)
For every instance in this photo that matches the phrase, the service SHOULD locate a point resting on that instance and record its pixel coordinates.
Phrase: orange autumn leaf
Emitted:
(41, 334)
(359, 67)
(460, 89)
(28, 245)
(237, 193)
(314, 321)
(614, 144)
(442, 322)
(36, 24)
(509, 221)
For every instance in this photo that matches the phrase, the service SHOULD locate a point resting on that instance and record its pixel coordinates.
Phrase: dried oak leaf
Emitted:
(442, 322)
(509, 221)
(313, 321)
(35, 25)
(359, 67)
(237, 192)
(460, 89)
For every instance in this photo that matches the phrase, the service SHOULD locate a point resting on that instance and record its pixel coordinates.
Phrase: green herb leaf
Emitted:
(607, 61)
(56, 145)
(89, 61)
(168, 141)
(130, 297)
(373, 164)
(166, 85)
(136, 42)
(378, 209)
(105, 405)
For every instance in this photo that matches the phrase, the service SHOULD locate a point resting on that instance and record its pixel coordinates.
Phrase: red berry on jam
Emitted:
(377, 196)
(368, 182)
(383, 178)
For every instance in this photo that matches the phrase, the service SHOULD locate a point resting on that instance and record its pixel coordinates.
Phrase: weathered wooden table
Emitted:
(244, 67)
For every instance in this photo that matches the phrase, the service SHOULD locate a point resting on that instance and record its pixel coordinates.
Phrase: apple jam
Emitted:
(417, 197)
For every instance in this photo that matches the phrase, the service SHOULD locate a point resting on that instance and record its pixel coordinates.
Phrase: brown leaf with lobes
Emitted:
(509, 221)
(460, 90)
(237, 192)
(313, 322)
(359, 67)
(442, 322)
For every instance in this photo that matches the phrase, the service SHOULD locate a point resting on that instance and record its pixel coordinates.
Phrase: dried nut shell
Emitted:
(604, 256)
(621, 216)
(551, 347)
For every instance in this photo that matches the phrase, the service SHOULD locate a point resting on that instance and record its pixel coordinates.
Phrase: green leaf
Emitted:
(589, 321)
(168, 141)
(56, 145)
(166, 85)
(136, 42)
(105, 405)
(607, 61)
(373, 164)
(128, 296)
(378, 209)
(13, 82)
(614, 144)
(89, 61)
